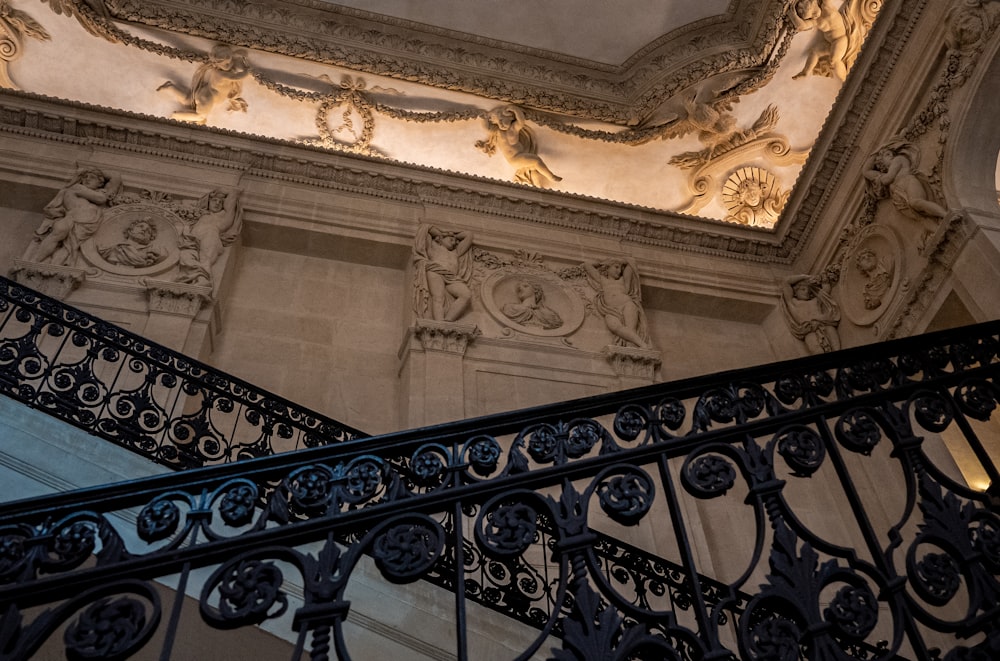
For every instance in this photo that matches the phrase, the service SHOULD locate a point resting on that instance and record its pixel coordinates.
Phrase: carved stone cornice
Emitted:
(77, 123)
(835, 146)
(743, 39)
(445, 336)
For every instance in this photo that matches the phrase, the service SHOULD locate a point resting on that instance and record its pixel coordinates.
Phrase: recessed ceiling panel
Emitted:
(607, 31)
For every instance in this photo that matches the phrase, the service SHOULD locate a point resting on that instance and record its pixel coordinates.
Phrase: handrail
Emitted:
(532, 487)
(142, 396)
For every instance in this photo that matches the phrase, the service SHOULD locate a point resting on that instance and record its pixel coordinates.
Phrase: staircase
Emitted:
(805, 509)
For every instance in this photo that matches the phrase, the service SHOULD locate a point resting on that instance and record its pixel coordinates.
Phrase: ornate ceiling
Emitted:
(703, 107)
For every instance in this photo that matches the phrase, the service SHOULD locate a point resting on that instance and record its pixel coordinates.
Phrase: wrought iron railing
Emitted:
(140, 395)
(818, 494)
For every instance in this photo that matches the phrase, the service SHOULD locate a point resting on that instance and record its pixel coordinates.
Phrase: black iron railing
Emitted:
(818, 496)
(140, 395)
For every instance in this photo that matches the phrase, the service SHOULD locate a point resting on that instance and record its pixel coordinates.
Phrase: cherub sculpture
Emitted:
(202, 242)
(442, 262)
(841, 30)
(72, 217)
(511, 136)
(619, 300)
(892, 173)
(215, 81)
(810, 311)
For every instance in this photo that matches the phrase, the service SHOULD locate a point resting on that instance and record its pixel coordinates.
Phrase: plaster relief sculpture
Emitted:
(717, 130)
(203, 241)
(619, 300)
(752, 197)
(871, 270)
(968, 23)
(15, 25)
(72, 217)
(214, 82)
(530, 309)
(532, 300)
(442, 269)
(137, 250)
(135, 238)
(878, 277)
(511, 136)
(810, 311)
(840, 33)
(892, 173)
(727, 147)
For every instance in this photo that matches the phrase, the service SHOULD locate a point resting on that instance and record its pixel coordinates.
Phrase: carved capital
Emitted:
(49, 279)
(632, 361)
(175, 297)
(445, 335)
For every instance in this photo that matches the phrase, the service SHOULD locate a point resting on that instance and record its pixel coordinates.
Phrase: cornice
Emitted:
(744, 39)
(824, 171)
(49, 119)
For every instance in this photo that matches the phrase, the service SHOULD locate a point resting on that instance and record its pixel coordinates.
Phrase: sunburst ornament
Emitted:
(752, 197)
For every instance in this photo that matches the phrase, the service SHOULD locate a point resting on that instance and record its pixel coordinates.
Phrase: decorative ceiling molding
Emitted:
(66, 121)
(735, 53)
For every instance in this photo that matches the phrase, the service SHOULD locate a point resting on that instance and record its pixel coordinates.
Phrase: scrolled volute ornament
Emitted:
(630, 421)
(626, 498)
(935, 577)
(977, 398)
(772, 638)
(158, 520)
(506, 528)
(932, 411)
(363, 477)
(735, 403)
(238, 503)
(707, 475)
(985, 537)
(13, 551)
(310, 487)
(582, 436)
(857, 431)
(427, 465)
(404, 551)
(670, 415)
(483, 455)
(249, 592)
(801, 448)
(853, 611)
(108, 629)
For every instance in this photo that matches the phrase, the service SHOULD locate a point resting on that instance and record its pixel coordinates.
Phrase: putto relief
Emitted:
(892, 174)
(442, 264)
(510, 135)
(218, 80)
(619, 300)
(72, 217)
(840, 30)
(218, 221)
(810, 311)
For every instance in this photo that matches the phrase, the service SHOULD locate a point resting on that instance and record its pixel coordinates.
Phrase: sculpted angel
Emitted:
(840, 31)
(511, 136)
(442, 262)
(811, 313)
(72, 217)
(892, 172)
(215, 81)
(619, 300)
(202, 243)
